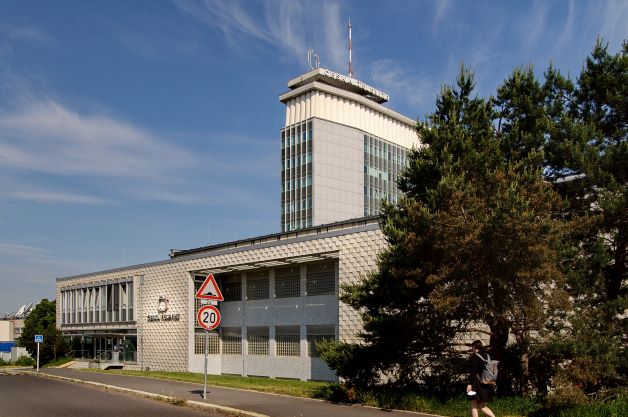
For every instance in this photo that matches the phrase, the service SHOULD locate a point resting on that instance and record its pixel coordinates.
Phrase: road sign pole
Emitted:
(37, 356)
(206, 354)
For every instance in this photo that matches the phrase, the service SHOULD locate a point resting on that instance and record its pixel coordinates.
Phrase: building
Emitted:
(341, 153)
(281, 296)
(341, 150)
(10, 331)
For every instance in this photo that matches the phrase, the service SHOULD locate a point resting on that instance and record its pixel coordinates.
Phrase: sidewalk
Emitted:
(250, 402)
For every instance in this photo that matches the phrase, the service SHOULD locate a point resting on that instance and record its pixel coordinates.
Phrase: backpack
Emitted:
(489, 372)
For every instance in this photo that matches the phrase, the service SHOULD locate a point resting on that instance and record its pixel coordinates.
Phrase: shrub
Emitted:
(25, 361)
(58, 361)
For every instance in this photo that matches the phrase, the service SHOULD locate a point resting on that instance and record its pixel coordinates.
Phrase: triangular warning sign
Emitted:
(209, 290)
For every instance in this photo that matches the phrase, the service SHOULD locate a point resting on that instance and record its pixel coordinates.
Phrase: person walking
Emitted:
(478, 392)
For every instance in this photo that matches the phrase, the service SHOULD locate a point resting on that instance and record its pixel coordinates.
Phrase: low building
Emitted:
(10, 332)
(281, 297)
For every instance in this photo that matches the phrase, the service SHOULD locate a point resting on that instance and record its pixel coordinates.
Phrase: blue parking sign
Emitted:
(39, 338)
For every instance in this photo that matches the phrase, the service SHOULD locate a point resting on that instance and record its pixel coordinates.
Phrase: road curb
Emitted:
(151, 395)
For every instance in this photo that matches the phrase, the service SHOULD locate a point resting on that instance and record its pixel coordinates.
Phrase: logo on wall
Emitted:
(163, 305)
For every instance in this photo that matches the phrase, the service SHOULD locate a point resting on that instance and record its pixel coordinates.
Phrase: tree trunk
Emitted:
(499, 339)
(524, 363)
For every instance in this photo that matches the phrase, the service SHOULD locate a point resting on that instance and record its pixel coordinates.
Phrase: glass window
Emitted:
(199, 342)
(231, 341)
(321, 279)
(257, 286)
(317, 334)
(231, 287)
(257, 340)
(287, 282)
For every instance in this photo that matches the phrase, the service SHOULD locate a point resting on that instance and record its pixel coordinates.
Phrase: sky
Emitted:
(129, 128)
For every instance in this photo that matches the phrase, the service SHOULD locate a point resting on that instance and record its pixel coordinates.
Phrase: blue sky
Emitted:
(130, 128)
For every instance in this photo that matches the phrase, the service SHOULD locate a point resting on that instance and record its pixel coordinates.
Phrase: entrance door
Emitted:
(103, 348)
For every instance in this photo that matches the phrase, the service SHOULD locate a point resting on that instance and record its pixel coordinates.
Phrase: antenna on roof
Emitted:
(311, 54)
(351, 74)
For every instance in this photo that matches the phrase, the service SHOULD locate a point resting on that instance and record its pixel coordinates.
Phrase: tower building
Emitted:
(341, 150)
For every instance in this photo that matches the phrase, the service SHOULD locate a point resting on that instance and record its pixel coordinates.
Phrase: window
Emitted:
(124, 296)
(231, 288)
(317, 334)
(257, 338)
(321, 279)
(199, 342)
(257, 286)
(231, 341)
(130, 317)
(288, 341)
(287, 282)
(116, 302)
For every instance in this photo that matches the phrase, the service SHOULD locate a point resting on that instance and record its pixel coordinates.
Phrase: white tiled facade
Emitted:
(168, 344)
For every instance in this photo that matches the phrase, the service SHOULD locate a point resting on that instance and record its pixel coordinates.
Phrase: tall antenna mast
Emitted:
(351, 74)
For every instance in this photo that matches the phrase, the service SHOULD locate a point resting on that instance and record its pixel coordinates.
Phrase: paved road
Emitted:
(30, 396)
(263, 403)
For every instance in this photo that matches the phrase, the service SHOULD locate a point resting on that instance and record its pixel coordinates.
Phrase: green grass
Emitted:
(57, 362)
(616, 408)
(454, 407)
(295, 388)
(389, 399)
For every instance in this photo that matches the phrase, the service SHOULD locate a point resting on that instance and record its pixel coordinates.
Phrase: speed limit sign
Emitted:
(208, 317)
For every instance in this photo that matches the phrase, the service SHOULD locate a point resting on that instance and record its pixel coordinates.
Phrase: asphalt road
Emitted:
(258, 402)
(31, 396)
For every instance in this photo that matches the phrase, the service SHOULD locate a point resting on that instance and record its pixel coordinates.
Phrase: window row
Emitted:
(383, 161)
(105, 303)
(287, 341)
(295, 134)
(296, 161)
(297, 183)
(320, 279)
(298, 205)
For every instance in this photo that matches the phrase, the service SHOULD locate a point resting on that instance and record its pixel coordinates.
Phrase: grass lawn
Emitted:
(307, 389)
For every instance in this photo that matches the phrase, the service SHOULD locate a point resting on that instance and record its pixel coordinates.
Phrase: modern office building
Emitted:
(281, 296)
(341, 150)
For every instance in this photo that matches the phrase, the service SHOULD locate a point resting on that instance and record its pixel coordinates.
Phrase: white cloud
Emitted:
(532, 27)
(101, 159)
(567, 31)
(289, 26)
(392, 77)
(50, 138)
(25, 33)
(21, 250)
(440, 12)
(56, 197)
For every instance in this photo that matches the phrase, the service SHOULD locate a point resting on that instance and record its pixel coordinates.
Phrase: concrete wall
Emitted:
(338, 172)
(6, 331)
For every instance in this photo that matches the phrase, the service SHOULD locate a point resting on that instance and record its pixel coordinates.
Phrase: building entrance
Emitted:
(112, 347)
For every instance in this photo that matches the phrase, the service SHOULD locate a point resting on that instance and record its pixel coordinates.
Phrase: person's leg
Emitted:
(474, 408)
(485, 410)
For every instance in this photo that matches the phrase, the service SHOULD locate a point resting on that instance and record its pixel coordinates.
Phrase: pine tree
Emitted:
(473, 242)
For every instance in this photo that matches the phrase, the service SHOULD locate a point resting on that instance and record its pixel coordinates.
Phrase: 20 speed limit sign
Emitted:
(208, 317)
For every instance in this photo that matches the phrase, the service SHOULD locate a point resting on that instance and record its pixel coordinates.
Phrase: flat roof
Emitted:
(316, 232)
(341, 81)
